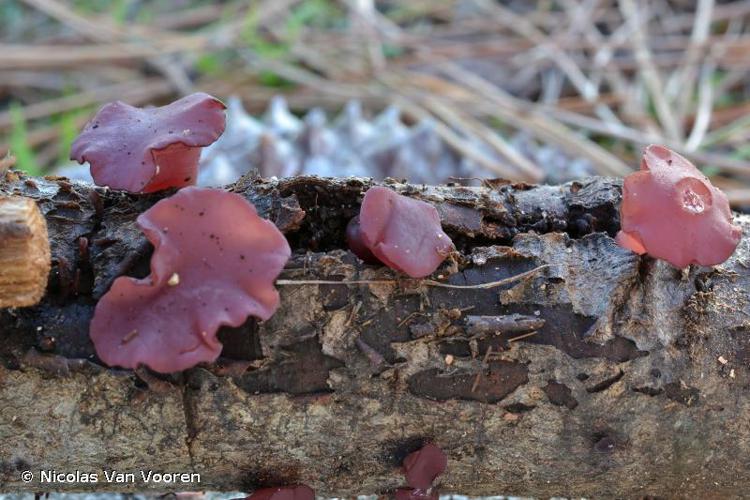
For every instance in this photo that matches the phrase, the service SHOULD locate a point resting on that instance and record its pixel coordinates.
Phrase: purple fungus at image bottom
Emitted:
(215, 261)
(423, 466)
(416, 494)
(300, 492)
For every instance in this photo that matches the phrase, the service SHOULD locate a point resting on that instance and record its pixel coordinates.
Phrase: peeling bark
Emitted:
(632, 381)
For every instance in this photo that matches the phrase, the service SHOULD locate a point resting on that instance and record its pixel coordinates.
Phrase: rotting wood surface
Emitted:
(635, 382)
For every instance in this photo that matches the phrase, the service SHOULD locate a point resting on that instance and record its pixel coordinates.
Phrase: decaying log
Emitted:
(634, 381)
(24, 252)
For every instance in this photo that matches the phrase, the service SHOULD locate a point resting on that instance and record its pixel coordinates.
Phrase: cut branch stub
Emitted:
(24, 252)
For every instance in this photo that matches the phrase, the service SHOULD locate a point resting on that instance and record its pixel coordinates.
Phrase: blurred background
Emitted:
(433, 91)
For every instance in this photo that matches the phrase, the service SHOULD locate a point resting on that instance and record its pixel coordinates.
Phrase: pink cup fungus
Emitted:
(214, 263)
(423, 466)
(300, 492)
(671, 211)
(150, 149)
(403, 233)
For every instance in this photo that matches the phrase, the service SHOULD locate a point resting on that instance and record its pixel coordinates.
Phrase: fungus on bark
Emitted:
(421, 468)
(300, 492)
(214, 263)
(671, 211)
(401, 232)
(357, 244)
(416, 494)
(149, 149)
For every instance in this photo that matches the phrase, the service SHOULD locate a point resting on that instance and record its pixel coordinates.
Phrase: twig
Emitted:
(479, 374)
(138, 90)
(362, 13)
(738, 126)
(455, 141)
(521, 337)
(632, 13)
(508, 323)
(680, 87)
(54, 56)
(705, 107)
(427, 282)
(103, 31)
(521, 114)
(527, 170)
(525, 28)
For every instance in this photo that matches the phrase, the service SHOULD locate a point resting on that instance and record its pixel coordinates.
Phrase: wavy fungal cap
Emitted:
(214, 263)
(150, 149)
(671, 211)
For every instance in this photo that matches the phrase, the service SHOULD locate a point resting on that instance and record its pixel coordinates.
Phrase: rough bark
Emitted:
(634, 384)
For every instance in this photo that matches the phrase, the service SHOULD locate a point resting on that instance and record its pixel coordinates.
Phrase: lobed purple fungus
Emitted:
(671, 211)
(403, 233)
(300, 492)
(150, 149)
(214, 263)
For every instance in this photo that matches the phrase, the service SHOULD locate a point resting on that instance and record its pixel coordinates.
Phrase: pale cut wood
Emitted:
(24, 252)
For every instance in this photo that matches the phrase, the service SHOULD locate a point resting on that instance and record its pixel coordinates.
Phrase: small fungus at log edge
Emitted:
(671, 211)
(423, 466)
(403, 233)
(300, 492)
(416, 494)
(149, 149)
(356, 244)
(227, 258)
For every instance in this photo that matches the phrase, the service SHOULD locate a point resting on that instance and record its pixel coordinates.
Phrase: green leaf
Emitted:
(271, 79)
(208, 64)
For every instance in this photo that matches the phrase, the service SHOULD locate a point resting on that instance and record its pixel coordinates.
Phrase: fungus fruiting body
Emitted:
(416, 494)
(401, 232)
(300, 492)
(149, 149)
(671, 211)
(214, 263)
(421, 468)
(357, 244)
